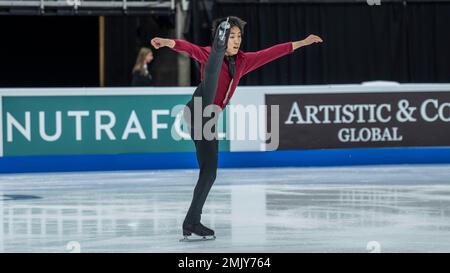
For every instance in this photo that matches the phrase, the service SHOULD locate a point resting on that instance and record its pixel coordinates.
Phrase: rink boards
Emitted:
(78, 129)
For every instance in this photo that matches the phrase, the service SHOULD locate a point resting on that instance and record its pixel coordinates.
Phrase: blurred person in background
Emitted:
(141, 75)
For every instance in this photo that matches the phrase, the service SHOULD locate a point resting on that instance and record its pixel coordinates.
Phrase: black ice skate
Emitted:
(223, 32)
(197, 229)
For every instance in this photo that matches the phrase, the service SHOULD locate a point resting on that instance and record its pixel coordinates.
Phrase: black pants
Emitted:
(206, 150)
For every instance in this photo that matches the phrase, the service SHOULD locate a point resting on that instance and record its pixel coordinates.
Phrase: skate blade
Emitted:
(223, 33)
(201, 239)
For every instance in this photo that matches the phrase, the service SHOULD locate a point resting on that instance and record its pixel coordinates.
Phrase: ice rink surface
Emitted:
(341, 209)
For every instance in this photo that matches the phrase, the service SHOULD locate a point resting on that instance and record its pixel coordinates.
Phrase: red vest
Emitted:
(245, 63)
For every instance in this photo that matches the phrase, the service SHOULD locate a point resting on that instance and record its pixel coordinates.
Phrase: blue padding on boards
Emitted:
(97, 162)
(303, 158)
(338, 157)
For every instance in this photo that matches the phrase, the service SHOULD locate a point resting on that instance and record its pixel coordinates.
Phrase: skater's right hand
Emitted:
(161, 42)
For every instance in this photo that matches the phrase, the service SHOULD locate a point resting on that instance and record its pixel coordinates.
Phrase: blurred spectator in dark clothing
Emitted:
(141, 76)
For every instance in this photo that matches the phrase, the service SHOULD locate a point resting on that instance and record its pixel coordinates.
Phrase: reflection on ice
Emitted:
(401, 208)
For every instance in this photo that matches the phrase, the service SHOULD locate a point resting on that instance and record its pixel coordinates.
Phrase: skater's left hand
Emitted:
(311, 39)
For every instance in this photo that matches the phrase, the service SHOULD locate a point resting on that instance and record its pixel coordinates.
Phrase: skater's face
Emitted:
(234, 42)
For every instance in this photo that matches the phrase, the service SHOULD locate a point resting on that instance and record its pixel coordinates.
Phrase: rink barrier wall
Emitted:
(187, 160)
(150, 107)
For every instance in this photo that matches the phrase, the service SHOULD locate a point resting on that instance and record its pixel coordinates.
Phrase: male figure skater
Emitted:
(222, 66)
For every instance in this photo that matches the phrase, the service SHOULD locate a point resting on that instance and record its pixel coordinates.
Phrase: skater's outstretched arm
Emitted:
(194, 51)
(257, 59)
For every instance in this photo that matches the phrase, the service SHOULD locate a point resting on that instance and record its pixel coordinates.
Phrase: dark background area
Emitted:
(399, 41)
(408, 43)
(41, 51)
(63, 51)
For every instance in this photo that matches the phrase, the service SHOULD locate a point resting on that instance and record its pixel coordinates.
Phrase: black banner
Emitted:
(362, 120)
